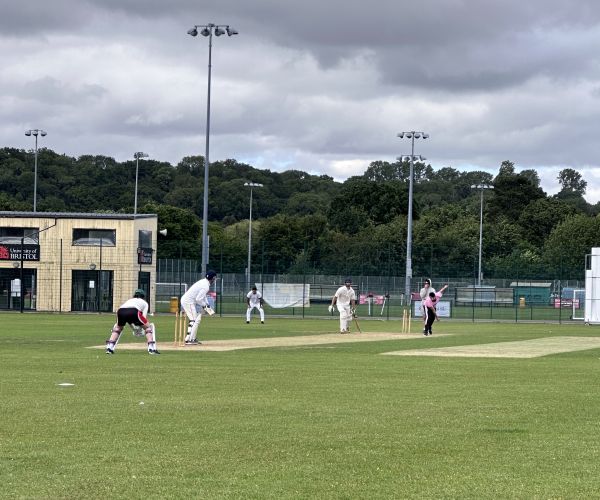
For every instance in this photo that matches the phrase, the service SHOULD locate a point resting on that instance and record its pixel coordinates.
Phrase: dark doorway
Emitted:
(92, 291)
(11, 291)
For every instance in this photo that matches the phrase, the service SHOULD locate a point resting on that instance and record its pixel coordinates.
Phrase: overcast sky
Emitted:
(319, 86)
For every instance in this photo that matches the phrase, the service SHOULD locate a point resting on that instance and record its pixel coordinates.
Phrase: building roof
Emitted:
(74, 215)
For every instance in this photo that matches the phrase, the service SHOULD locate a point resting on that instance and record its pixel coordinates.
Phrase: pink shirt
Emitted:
(429, 302)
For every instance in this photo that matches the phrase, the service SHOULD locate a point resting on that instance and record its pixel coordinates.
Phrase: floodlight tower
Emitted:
(250, 185)
(35, 132)
(137, 157)
(482, 187)
(412, 135)
(207, 30)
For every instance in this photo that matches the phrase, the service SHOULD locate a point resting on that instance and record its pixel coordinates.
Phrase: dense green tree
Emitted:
(381, 171)
(569, 243)
(307, 203)
(303, 221)
(574, 199)
(571, 180)
(506, 168)
(512, 193)
(370, 201)
(539, 217)
(532, 175)
(184, 231)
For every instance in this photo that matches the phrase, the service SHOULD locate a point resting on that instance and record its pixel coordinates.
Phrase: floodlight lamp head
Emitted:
(28, 133)
(35, 132)
(409, 135)
(401, 135)
(193, 31)
(43, 133)
(163, 232)
(231, 31)
(205, 31)
(219, 31)
(417, 135)
(425, 136)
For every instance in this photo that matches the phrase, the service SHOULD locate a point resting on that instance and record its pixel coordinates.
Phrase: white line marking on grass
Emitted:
(65, 384)
(521, 349)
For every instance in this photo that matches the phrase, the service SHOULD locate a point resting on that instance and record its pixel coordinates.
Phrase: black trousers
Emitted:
(430, 316)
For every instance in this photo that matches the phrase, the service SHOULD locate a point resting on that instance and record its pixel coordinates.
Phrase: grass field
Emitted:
(330, 421)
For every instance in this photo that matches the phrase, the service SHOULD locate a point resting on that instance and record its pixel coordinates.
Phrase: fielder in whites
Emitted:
(133, 312)
(254, 299)
(197, 294)
(345, 299)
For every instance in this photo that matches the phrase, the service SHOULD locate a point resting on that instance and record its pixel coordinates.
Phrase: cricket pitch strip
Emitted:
(298, 341)
(521, 349)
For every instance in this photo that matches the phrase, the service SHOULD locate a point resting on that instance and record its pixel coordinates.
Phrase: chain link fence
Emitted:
(99, 277)
(383, 297)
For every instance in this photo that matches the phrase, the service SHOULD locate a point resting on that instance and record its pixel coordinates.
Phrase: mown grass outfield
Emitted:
(326, 421)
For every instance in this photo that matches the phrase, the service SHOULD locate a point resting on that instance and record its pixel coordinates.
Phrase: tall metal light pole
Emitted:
(137, 157)
(482, 187)
(250, 185)
(412, 135)
(208, 30)
(35, 132)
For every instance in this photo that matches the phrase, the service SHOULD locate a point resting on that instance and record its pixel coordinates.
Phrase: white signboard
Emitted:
(280, 295)
(443, 309)
(15, 287)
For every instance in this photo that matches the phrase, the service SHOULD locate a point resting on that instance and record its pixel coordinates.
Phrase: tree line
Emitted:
(305, 223)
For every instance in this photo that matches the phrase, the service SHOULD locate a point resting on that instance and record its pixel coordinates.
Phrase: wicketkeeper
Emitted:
(345, 299)
(197, 295)
(254, 299)
(133, 312)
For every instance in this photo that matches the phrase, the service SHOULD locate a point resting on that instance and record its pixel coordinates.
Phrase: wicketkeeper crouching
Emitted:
(133, 312)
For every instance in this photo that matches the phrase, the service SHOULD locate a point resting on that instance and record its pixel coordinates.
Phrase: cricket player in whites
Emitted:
(254, 299)
(197, 294)
(134, 313)
(345, 298)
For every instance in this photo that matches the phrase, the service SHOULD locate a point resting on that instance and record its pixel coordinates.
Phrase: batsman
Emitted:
(197, 295)
(345, 299)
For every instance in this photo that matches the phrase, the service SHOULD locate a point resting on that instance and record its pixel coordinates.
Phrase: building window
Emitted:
(145, 239)
(95, 237)
(14, 235)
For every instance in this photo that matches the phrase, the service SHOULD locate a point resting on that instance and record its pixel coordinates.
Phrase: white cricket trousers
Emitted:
(345, 316)
(195, 317)
(260, 310)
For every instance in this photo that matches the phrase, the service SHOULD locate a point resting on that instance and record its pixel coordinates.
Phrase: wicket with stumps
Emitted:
(406, 321)
(180, 328)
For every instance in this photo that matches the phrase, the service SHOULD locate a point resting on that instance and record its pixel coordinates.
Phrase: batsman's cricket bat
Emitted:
(356, 323)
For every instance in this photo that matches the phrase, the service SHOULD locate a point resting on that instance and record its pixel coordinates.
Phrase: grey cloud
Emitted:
(52, 91)
(35, 18)
(310, 84)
